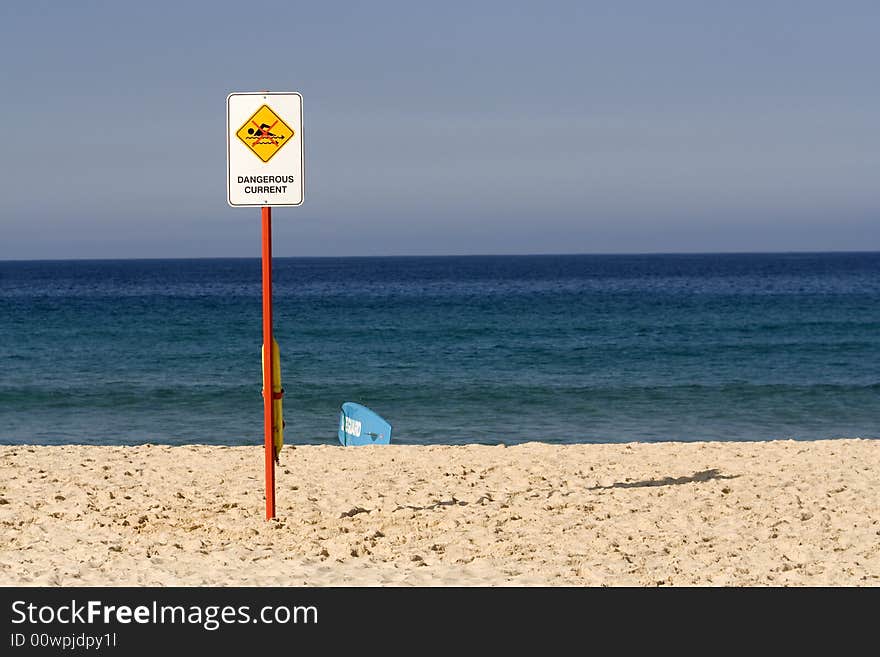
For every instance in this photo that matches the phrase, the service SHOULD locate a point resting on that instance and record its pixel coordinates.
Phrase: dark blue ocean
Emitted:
(505, 349)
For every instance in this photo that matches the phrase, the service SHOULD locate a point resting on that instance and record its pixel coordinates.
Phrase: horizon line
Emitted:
(446, 255)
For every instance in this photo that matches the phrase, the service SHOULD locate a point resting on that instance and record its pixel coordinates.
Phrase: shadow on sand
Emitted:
(697, 477)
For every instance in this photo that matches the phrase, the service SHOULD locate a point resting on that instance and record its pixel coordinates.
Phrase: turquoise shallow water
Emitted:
(449, 350)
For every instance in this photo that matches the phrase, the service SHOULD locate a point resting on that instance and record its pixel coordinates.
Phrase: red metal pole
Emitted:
(267, 362)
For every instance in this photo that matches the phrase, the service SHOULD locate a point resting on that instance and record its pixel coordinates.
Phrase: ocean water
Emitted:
(560, 349)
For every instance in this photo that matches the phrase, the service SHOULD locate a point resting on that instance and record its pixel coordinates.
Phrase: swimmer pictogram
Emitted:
(263, 130)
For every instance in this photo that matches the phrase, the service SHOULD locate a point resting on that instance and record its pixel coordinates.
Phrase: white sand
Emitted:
(774, 513)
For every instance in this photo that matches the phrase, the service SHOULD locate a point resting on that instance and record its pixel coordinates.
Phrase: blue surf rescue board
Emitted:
(358, 425)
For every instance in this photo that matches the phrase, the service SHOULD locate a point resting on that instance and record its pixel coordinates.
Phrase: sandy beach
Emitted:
(758, 513)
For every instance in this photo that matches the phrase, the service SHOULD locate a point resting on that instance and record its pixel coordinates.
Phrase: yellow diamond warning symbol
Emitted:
(265, 133)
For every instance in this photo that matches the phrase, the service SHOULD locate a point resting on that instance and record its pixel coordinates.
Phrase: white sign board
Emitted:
(264, 149)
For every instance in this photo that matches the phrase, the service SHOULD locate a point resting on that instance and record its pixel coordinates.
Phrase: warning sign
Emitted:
(264, 149)
(265, 133)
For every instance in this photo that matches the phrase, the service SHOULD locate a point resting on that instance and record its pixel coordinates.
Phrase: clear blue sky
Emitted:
(454, 127)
